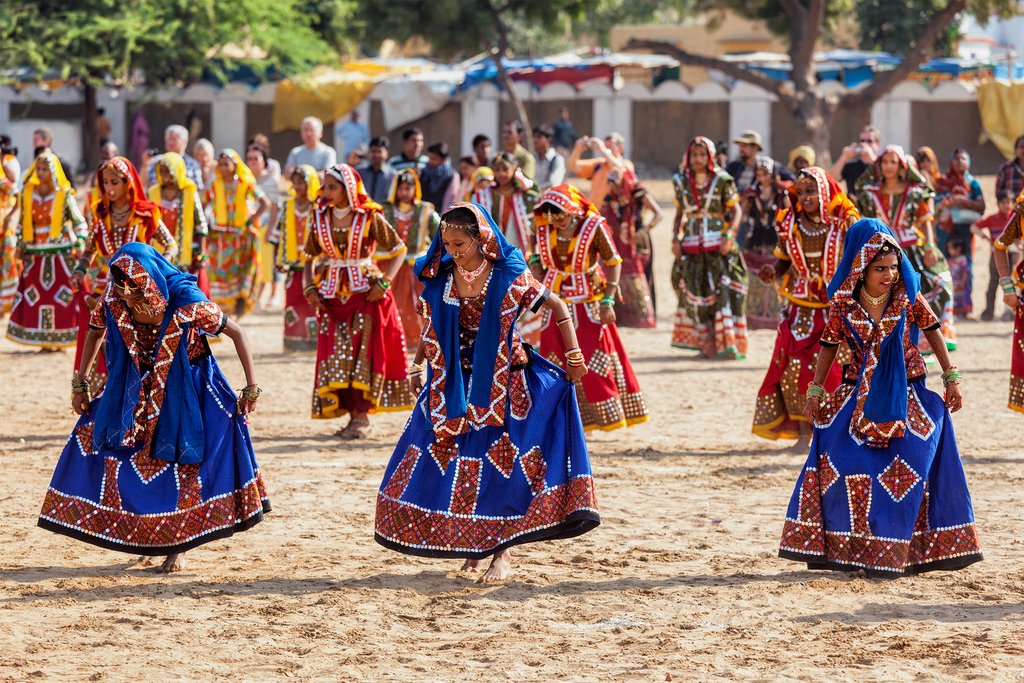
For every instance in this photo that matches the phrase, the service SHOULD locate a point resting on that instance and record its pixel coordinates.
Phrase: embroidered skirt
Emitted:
(233, 268)
(10, 268)
(496, 487)
(406, 289)
(712, 291)
(902, 509)
(125, 500)
(781, 398)
(300, 325)
(637, 306)
(609, 394)
(360, 358)
(764, 305)
(1016, 401)
(45, 311)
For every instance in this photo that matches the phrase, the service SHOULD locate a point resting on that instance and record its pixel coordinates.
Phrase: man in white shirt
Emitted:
(550, 164)
(312, 151)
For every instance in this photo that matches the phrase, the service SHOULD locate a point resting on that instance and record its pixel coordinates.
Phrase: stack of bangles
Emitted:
(383, 284)
(574, 357)
(951, 376)
(609, 299)
(1007, 285)
(309, 289)
(534, 260)
(816, 391)
(79, 385)
(416, 370)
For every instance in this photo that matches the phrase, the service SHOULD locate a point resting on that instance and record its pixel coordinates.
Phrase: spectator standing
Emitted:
(550, 164)
(438, 180)
(512, 142)
(564, 136)
(467, 169)
(256, 159)
(206, 156)
(800, 157)
(856, 158)
(273, 165)
(958, 203)
(482, 147)
(609, 157)
(743, 169)
(176, 140)
(412, 155)
(990, 228)
(351, 134)
(377, 174)
(1011, 174)
(312, 151)
(102, 126)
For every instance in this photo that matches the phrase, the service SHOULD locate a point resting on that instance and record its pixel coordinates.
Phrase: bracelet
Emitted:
(951, 376)
(563, 321)
(607, 300)
(1007, 285)
(251, 393)
(79, 385)
(816, 390)
(383, 284)
(309, 288)
(574, 357)
(415, 370)
(534, 260)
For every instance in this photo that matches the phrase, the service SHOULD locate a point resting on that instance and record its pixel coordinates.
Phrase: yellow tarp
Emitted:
(1002, 113)
(325, 93)
(329, 93)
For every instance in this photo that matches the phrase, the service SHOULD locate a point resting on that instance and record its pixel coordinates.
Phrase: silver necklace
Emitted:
(340, 214)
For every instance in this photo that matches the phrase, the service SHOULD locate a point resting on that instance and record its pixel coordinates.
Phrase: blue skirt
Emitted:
(527, 480)
(902, 509)
(125, 500)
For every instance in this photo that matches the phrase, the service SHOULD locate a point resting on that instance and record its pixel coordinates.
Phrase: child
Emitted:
(990, 228)
(960, 269)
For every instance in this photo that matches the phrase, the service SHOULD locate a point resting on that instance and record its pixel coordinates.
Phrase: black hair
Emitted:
(439, 148)
(468, 160)
(409, 132)
(380, 142)
(516, 126)
(479, 138)
(100, 111)
(545, 130)
(505, 157)
(256, 147)
(1017, 141)
(1004, 194)
(118, 275)
(957, 242)
(885, 250)
(462, 218)
(39, 150)
(406, 176)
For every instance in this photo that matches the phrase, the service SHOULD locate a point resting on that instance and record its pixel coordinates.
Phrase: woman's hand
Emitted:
(726, 245)
(607, 315)
(416, 382)
(767, 274)
(812, 409)
(953, 398)
(576, 372)
(313, 299)
(1011, 301)
(80, 402)
(677, 248)
(77, 279)
(376, 293)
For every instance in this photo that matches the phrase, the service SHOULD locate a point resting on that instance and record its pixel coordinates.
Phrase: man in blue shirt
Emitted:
(176, 140)
(412, 155)
(351, 134)
(377, 173)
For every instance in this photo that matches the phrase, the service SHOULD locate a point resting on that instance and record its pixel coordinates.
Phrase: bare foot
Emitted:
(500, 569)
(470, 565)
(172, 564)
(357, 428)
(859, 574)
(145, 561)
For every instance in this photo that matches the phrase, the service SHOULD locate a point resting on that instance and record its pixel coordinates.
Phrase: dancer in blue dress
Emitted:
(494, 453)
(883, 492)
(161, 461)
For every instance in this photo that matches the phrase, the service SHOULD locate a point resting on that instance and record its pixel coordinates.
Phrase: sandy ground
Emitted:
(680, 582)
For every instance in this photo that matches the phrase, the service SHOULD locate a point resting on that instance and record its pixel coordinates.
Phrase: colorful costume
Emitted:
(143, 224)
(623, 213)
(360, 361)
(234, 246)
(183, 216)
(45, 311)
(416, 228)
(906, 214)
(812, 254)
(1015, 231)
(494, 453)
(162, 462)
(300, 323)
(883, 488)
(761, 209)
(10, 266)
(712, 287)
(609, 394)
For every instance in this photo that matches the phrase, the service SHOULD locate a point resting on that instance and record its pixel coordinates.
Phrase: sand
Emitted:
(680, 582)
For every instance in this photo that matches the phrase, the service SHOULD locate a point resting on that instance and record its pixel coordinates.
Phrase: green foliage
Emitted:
(774, 14)
(167, 41)
(880, 28)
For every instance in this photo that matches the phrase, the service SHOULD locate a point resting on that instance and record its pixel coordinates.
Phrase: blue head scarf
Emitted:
(179, 435)
(887, 395)
(433, 268)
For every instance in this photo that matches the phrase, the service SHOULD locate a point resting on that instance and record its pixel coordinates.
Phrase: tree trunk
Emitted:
(509, 86)
(90, 141)
(812, 117)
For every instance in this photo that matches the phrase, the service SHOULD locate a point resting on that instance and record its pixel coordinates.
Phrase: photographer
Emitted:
(856, 158)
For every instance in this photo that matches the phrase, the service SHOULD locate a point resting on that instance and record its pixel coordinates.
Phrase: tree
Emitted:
(804, 22)
(462, 28)
(879, 28)
(161, 42)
